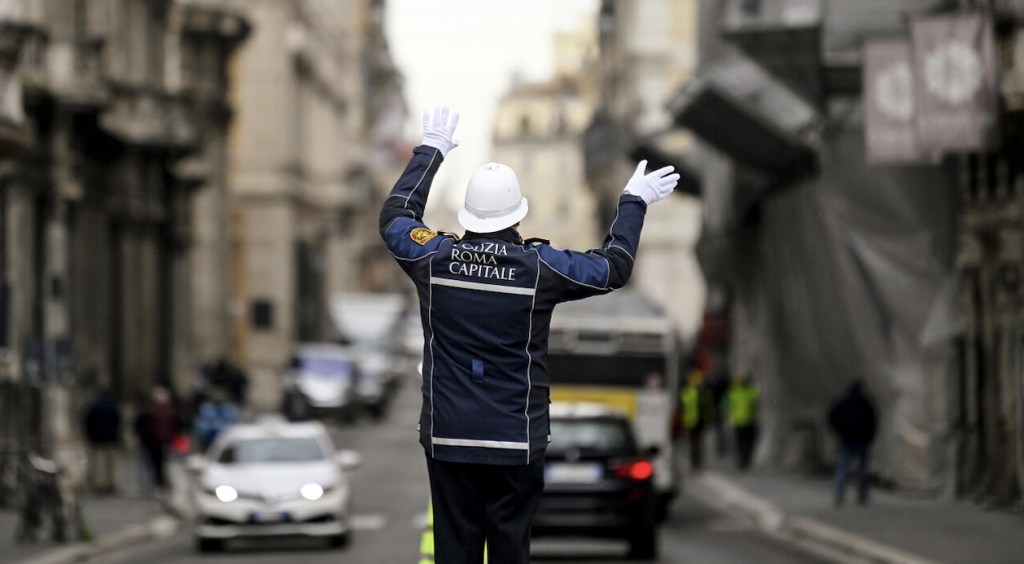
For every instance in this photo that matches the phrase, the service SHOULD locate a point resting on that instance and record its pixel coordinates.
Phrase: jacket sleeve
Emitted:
(601, 270)
(401, 218)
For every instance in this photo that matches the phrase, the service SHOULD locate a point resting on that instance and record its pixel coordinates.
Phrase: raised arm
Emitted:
(610, 266)
(408, 198)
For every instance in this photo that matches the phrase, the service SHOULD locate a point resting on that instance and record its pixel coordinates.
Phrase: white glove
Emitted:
(438, 128)
(654, 186)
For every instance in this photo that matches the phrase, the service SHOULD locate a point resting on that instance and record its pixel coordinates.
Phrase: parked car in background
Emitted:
(321, 382)
(272, 478)
(597, 481)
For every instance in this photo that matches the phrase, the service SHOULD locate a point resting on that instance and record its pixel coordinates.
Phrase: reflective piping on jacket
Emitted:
(483, 287)
(430, 322)
(481, 444)
(529, 364)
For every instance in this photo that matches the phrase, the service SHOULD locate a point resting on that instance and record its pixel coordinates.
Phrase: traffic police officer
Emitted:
(485, 304)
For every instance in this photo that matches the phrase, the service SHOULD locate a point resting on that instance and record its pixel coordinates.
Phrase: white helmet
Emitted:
(493, 200)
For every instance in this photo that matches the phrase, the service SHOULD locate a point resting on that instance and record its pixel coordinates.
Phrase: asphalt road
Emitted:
(391, 496)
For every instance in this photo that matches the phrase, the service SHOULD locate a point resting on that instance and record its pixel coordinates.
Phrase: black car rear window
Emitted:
(612, 436)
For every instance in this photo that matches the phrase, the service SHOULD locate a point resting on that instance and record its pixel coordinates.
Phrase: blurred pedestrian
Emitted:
(216, 413)
(698, 411)
(718, 385)
(486, 302)
(855, 421)
(230, 378)
(156, 426)
(742, 408)
(102, 424)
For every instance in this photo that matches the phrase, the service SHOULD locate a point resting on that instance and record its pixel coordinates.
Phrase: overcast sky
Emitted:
(464, 53)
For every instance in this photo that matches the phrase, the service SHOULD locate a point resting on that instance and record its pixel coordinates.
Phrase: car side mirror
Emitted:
(195, 463)
(348, 459)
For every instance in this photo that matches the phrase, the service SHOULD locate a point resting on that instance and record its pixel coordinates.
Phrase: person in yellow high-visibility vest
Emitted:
(427, 539)
(742, 411)
(697, 411)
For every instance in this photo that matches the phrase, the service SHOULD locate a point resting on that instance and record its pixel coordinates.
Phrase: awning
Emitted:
(812, 50)
(740, 111)
(784, 37)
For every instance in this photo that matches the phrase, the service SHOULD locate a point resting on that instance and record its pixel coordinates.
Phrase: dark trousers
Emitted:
(474, 503)
(847, 453)
(155, 457)
(695, 436)
(746, 436)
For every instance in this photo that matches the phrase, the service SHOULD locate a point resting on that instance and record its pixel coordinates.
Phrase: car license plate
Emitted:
(268, 517)
(571, 473)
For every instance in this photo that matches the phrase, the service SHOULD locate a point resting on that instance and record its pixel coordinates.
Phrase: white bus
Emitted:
(621, 350)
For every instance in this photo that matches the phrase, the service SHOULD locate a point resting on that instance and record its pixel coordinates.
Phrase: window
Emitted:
(594, 435)
(524, 125)
(262, 315)
(271, 450)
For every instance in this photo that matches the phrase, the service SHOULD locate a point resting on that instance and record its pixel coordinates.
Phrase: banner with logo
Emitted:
(889, 102)
(954, 65)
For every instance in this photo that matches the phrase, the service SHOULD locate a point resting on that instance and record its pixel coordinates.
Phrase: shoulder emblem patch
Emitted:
(421, 235)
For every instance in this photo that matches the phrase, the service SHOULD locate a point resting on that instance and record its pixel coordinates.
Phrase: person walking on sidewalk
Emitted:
(698, 410)
(486, 302)
(102, 425)
(854, 419)
(156, 427)
(742, 407)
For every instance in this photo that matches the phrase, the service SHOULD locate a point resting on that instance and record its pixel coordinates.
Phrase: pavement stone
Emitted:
(134, 515)
(894, 527)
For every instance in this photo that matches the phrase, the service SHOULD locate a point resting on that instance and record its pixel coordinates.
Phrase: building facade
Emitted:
(311, 87)
(122, 100)
(899, 273)
(536, 132)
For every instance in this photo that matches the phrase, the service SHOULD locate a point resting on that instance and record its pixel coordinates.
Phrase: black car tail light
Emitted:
(636, 470)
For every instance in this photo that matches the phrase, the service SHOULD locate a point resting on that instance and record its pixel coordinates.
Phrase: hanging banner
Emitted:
(890, 132)
(955, 80)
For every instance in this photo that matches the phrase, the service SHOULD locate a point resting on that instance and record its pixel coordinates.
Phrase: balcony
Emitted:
(150, 118)
(14, 30)
(75, 74)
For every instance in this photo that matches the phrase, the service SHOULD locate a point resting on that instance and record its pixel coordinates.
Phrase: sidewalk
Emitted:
(892, 528)
(115, 522)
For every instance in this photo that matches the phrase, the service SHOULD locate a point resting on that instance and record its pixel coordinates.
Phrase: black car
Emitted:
(597, 481)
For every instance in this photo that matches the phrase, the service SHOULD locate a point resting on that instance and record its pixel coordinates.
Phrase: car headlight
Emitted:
(312, 492)
(226, 494)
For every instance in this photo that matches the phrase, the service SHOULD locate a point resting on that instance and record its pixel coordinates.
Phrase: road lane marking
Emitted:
(369, 522)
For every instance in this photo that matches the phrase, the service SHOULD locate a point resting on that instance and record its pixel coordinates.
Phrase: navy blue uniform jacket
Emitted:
(486, 303)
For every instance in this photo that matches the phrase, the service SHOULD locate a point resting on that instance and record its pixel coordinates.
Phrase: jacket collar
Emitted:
(508, 234)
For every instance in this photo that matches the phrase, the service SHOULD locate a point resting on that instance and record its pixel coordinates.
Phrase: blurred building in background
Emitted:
(647, 49)
(180, 182)
(851, 243)
(123, 105)
(311, 87)
(536, 132)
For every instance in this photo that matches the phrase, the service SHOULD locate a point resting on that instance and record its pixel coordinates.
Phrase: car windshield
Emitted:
(590, 435)
(270, 450)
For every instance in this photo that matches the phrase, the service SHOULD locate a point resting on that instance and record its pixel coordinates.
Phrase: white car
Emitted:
(272, 478)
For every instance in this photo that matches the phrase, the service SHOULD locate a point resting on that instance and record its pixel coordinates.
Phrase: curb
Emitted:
(159, 528)
(824, 541)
